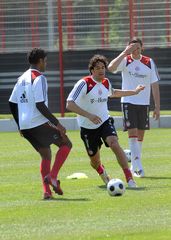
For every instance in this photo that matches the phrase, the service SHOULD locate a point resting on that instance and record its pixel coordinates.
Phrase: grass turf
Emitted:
(85, 211)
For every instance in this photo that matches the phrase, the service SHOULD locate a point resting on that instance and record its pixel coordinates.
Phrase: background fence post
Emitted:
(2, 28)
(168, 22)
(69, 22)
(131, 18)
(59, 13)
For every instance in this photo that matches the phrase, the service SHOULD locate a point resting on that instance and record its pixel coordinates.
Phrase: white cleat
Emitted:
(132, 184)
(105, 177)
(139, 174)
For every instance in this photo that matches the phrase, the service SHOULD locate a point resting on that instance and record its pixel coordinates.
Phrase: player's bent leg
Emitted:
(113, 143)
(97, 165)
(45, 170)
(135, 142)
(65, 146)
(140, 171)
(60, 158)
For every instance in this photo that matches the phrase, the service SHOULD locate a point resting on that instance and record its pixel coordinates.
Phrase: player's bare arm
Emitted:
(73, 107)
(121, 93)
(156, 97)
(14, 111)
(61, 129)
(116, 61)
(45, 112)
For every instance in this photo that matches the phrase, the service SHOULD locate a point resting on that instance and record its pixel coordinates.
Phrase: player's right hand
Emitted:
(139, 88)
(95, 119)
(130, 48)
(61, 129)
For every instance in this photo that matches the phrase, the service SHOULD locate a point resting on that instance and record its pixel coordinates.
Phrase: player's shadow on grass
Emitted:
(70, 199)
(136, 189)
(102, 187)
(127, 188)
(155, 177)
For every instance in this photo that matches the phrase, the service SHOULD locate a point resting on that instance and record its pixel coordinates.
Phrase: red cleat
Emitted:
(47, 196)
(54, 183)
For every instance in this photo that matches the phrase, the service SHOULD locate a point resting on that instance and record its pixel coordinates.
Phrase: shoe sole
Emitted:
(55, 189)
(138, 175)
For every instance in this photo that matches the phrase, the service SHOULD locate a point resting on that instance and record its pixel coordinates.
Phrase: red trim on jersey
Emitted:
(105, 82)
(34, 74)
(129, 60)
(90, 83)
(146, 61)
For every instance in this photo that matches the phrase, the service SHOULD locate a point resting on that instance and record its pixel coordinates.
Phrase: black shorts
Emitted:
(135, 116)
(42, 136)
(92, 138)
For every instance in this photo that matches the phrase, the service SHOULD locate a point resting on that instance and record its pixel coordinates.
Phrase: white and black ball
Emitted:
(115, 187)
(128, 154)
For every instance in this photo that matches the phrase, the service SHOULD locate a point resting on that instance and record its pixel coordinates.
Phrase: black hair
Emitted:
(95, 59)
(136, 40)
(35, 54)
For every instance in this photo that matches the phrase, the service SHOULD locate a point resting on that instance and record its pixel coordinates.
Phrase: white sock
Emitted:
(139, 164)
(140, 147)
(135, 152)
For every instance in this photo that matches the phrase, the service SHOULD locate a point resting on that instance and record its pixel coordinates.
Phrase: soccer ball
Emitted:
(115, 187)
(128, 154)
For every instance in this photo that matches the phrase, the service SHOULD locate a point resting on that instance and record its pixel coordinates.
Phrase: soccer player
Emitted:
(137, 69)
(29, 106)
(89, 99)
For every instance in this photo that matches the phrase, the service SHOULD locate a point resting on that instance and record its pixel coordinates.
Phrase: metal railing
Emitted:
(85, 24)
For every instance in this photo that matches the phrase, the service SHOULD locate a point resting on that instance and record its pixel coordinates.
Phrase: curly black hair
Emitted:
(136, 40)
(95, 59)
(35, 54)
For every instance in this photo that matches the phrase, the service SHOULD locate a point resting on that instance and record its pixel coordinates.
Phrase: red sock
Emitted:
(60, 158)
(128, 174)
(45, 170)
(100, 169)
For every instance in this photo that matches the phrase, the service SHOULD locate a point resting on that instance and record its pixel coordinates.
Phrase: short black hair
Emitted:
(136, 40)
(95, 59)
(35, 54)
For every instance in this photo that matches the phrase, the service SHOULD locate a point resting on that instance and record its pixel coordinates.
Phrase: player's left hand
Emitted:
(20, 133)
(156, 114)
(139, 88)
(61, 129)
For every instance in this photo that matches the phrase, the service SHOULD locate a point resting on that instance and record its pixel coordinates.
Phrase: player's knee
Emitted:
(95, 163)
(69, 144)
(114, 144)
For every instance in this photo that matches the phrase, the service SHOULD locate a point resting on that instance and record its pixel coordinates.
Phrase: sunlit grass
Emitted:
(85, 211)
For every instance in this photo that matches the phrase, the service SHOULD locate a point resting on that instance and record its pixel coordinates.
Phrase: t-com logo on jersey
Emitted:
(98, 100)
(23, 98)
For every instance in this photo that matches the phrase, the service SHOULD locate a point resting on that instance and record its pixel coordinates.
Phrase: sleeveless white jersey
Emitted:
(92, 96)
(135, 72)
(30, 88)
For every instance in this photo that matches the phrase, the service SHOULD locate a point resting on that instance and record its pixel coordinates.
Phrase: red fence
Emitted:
(85, 24)
(62, 25)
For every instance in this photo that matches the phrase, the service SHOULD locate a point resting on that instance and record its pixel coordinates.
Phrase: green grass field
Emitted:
(85, 211)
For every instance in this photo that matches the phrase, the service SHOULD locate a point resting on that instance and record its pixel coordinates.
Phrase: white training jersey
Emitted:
(30, 88)
(138, 72)
(92, 96)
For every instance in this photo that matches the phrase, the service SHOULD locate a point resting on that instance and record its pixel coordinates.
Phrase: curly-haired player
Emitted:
(89, 99)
